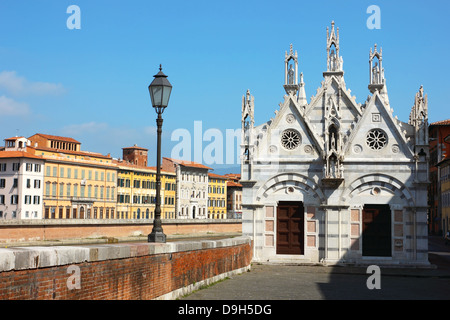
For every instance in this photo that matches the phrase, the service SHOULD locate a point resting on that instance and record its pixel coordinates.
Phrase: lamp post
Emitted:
(160, 90)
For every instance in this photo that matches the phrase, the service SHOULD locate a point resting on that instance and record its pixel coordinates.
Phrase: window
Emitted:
(37, 184)
(290, 139)
(36, 200)
(15, 183)
(376, 139)
(2, 166)
(37, 168)
(27, 199)
(28, 183)
(2, 199)
(2, 183)
(29, 167)
(16, 166)
(69, 172)
(55, 172)
(14, 199)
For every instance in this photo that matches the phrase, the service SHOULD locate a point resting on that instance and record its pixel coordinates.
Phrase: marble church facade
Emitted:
(331, 180)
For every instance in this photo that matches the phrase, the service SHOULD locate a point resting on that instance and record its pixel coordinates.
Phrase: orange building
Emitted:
(234, 196)
(439, 136)
(77, 184)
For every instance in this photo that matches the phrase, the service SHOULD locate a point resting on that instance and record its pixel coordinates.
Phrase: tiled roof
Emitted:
(51, 137)
(217, 176)
(14, 138)
(441, 123)
(18, 154)
(136, 147)
(233, 184)
(79, 153)
(122, 163)
(190, 164)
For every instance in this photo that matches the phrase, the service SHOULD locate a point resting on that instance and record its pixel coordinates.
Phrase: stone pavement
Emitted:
(302, 282)
(290, 282)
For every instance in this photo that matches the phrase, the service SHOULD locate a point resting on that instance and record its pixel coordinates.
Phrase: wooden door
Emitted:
(290, 228)
(376, 236)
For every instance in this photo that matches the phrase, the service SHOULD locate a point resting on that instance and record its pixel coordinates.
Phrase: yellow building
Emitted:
(444, 178)
(217, 196)
(77, 184)
(136, 187)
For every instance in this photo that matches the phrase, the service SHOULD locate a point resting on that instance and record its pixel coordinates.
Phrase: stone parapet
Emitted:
(23, 258)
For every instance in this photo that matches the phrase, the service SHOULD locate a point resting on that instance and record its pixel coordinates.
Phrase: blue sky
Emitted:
(91, 84)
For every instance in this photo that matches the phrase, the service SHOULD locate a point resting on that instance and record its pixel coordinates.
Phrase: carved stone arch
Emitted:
(379, 180)
(291, 179)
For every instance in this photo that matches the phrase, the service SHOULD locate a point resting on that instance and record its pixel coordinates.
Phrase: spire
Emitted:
(301, 93)
(291, 71)
(334, 60)
(376, 70)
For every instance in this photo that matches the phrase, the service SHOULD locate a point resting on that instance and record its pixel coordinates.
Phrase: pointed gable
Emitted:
(377, 134)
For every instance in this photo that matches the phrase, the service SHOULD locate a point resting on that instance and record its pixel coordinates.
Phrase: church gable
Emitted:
(377, 134)
(287, 135)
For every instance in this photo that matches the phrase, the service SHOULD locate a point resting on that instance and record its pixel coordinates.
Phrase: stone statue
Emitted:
(291, 75)
(375, 74)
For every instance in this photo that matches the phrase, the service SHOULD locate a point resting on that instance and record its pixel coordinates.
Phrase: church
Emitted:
(333, 181)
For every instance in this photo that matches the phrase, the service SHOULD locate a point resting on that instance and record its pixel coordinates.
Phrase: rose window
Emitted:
(376, 139)
(290, 139)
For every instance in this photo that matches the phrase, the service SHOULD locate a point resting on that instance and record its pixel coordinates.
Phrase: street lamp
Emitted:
(159, 89)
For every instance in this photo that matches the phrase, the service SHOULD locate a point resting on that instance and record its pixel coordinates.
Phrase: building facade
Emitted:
(217, 196)
(21, 181)
(191, 200)
(444, 182)
(234, 196)
(331, 180)
(439, 133)
(136, 187)
(77, 184)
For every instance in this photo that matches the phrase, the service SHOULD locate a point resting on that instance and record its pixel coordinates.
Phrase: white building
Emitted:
(21, 181)
(191, 200)
(332, 180)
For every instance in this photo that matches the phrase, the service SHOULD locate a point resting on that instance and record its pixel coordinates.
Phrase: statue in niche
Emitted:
(332, 167)
(291, 75)
(375, 74)
(333, 142)
(332, 60)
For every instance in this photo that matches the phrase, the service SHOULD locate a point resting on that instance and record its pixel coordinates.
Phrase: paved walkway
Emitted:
(281, 282)
(275, 282)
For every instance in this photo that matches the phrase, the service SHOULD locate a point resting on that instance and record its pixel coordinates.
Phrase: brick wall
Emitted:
(118, 272)
(14, 231)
